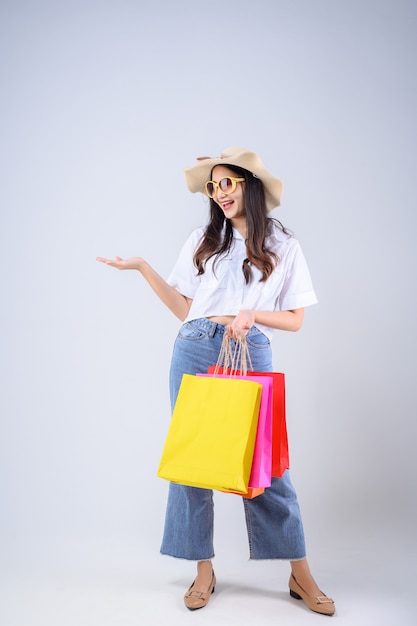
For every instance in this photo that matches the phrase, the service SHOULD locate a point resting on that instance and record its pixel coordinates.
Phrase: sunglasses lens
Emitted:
(226, 185)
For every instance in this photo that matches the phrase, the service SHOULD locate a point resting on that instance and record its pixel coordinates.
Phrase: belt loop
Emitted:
(213, 329)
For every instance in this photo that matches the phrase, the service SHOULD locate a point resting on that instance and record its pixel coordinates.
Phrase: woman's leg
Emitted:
(275, 531)
(188, 531)
(274, 525)
(301, 572)
(273, 522)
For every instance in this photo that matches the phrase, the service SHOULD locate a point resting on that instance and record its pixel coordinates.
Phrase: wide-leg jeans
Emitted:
(273, 519)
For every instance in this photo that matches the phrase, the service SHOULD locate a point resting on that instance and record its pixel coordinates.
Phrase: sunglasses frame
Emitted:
(217, 185)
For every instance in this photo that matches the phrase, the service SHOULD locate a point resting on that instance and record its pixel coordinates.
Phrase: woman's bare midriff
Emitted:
(224, 320)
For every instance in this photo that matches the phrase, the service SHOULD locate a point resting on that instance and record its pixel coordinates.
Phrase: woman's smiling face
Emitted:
(232, 204)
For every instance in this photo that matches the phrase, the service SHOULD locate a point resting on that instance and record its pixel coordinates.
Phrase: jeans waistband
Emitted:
(211, 327)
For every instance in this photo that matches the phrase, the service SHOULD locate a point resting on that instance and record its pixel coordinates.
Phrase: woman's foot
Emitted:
(203, 586)
(303, 587)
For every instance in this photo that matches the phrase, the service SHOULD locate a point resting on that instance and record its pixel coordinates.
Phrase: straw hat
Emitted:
(197, 176)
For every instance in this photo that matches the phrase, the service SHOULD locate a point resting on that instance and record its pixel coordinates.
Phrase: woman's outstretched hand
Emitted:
(241, 325)
(133, 263)
(173, 299)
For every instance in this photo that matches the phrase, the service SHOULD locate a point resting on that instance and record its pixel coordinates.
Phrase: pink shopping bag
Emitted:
(261, 470)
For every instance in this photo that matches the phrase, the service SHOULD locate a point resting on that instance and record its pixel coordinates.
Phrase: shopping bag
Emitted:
(280, 451)
(260, 475)
(211, 437)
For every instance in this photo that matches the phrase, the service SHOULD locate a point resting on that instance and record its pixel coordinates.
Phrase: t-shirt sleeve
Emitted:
(297, 291)
(184, 273)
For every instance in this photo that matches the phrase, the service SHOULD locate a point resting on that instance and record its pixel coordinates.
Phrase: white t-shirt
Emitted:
(225, 292)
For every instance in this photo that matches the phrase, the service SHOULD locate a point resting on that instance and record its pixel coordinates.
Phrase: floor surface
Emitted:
(102, 583)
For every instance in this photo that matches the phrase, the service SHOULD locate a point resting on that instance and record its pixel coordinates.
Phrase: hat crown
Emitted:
(229, 152)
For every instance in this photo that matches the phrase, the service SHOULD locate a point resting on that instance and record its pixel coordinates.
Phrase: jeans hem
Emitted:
(277, 558)
(186, 558)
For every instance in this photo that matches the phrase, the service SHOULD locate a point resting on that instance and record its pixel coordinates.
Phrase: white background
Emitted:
(103, 104)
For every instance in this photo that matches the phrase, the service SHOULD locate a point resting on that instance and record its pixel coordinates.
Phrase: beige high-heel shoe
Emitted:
(321, 604)
(195, 599)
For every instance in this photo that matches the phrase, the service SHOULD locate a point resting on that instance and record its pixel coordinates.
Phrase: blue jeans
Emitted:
(273, 519)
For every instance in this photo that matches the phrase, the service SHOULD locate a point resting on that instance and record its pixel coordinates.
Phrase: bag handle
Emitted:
(236, 360)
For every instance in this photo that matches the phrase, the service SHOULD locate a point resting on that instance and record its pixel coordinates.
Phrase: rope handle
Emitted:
(237, 360)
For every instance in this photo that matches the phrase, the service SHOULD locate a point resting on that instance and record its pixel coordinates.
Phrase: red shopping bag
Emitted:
(280, 452)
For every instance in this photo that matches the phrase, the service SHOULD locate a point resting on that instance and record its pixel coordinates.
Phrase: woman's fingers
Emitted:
(241, 325)
(133, 263)
(116, 262)
(236, 333)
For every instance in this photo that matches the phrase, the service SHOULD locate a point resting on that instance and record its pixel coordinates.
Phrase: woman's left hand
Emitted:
(242, 323)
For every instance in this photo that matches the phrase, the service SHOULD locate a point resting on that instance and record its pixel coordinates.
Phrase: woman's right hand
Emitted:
(133, 263)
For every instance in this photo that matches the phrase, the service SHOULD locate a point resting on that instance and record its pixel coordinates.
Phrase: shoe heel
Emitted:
(295, 595)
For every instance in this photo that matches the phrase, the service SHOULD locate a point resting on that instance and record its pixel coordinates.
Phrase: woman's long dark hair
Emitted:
(259, 227)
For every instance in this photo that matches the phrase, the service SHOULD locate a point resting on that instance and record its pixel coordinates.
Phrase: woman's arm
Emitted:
(173, 299)
(280, 320)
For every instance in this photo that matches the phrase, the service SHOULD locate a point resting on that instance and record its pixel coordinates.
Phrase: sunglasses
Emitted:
(226, 185)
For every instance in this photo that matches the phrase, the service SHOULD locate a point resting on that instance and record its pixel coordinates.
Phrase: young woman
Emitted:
(243, 272)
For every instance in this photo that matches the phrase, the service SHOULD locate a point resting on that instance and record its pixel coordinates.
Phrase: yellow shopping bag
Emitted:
(211, 438)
